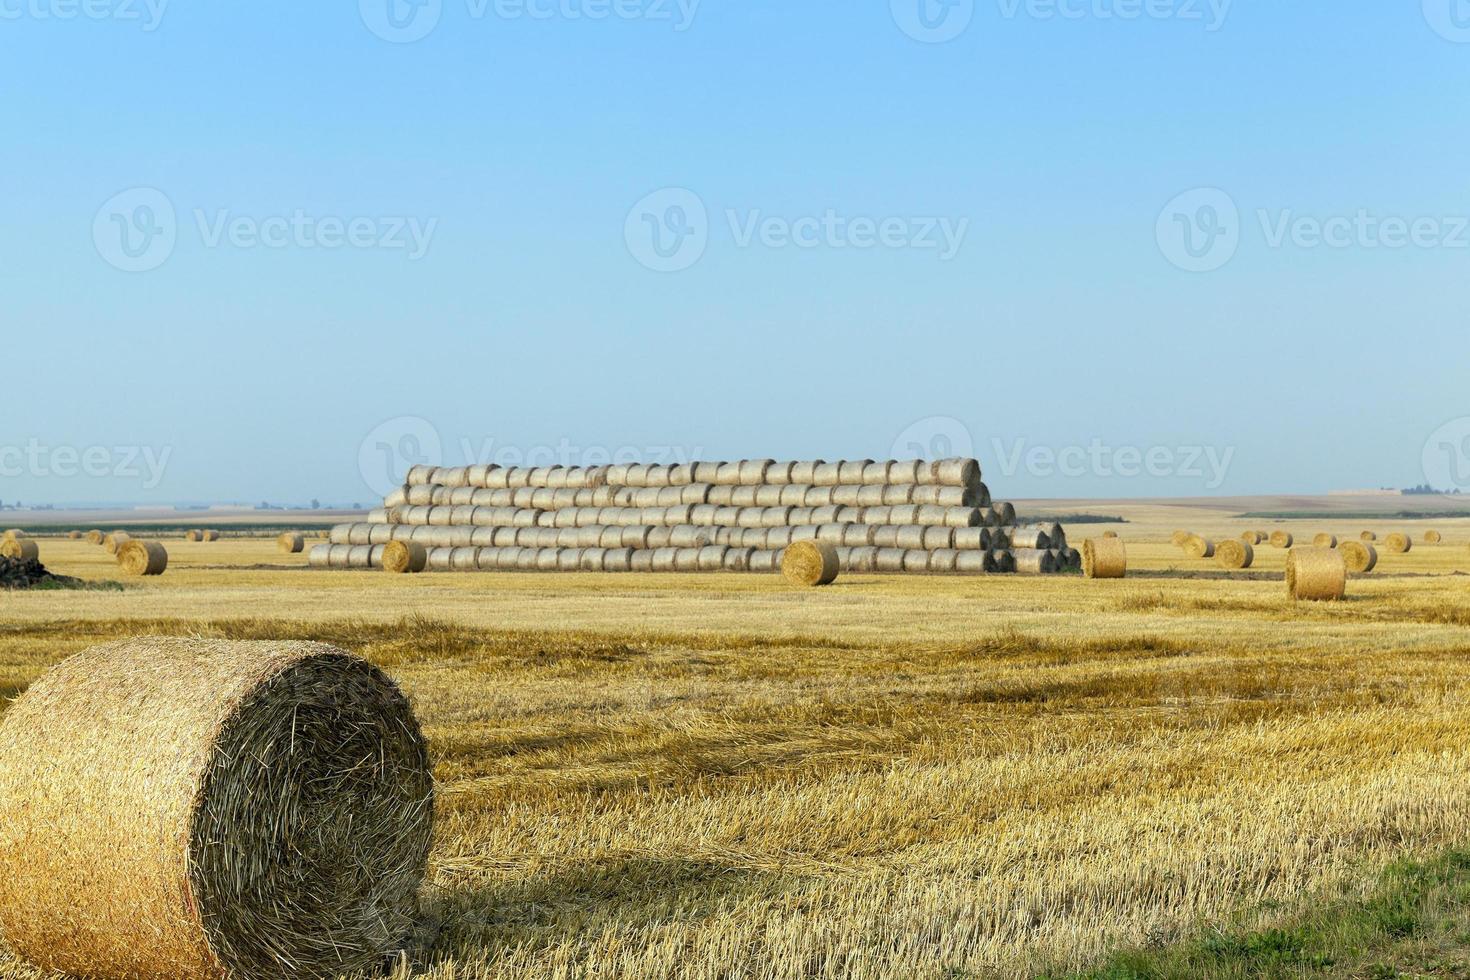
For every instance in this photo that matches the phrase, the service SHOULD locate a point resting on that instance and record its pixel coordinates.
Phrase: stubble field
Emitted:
(718, 777)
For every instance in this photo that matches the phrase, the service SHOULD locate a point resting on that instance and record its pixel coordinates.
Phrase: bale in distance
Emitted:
(1367, 536)
(21, 549)
(1325, 540)
(1361, 557)
(1316, 575)
(1104, 558)
(1110, 534)
(210, 536)
(142, 558)
(1433, 537)
(193, 535)
(405, 557)
(1236, 555)
(1282, 539)
(1180, 538)
(199, 809)
(1252, 538)
(1198, 547)
(1399, 544)
(115, 541)
(94, 537)
(74, 535)
(810, 564)
(291, 543)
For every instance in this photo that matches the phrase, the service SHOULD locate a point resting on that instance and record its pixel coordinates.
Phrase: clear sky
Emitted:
(275, 250)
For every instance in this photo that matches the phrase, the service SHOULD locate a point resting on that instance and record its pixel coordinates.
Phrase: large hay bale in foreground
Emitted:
(1433, 537)
(1399, 544)
(142, 558)
(1325, 540)
(1360, 556)
(22, 549)
(1282, 539)
(1104, 558)
(405, 557)
(1316, 574)
(810, 563)
(1234, 554)
(291, 543)
(1198, 547)
(192, 809)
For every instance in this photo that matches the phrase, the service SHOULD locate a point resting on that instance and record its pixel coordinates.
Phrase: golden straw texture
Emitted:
(1325, 540)
(1399, 544)
(1198, 547)
(116, 540)
(405, 557)
(1433, 537)
(1180, 538)
(1316, 574)
(21, 548)
(1252, 538)
(1282, 539)
(1367, 536)
(183, 809)
(1359, 555)
(1104, 558)
(14, 534)
(810, 563)
(142, 558)
(94, 537)
(1234, 554)
(292, 543)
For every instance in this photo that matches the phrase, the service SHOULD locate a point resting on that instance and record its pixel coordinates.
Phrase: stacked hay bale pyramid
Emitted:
(897, 516)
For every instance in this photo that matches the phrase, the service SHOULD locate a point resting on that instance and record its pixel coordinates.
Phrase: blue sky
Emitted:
(279, 249)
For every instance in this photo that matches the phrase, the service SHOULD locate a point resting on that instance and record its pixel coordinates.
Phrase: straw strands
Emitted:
(1104, 558)
(1282, 539)
(291, 543)
(1234, 554)
(23, 549)
(142, 558)
(1360, 556)
(1398, 543)
(198, 809)
(1198, 547)
(1325, 540)
(405, 557)
(810, 563)
(1316, 575)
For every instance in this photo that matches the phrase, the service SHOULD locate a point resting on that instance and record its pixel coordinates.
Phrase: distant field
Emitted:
(717, 777)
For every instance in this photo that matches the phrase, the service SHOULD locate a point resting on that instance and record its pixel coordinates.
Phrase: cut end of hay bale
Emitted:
(1399, 544)
(94, 537)
(276, 823)
(21, 549)
(1110, 534)
(1367, 536)
(810, 563)
(14, 534)
(1252, 538)
(1325, 540)
(405, 557)
(1104, 558)
(74, 535)
(1282, 539)
(116, 540)
(1180, 538)
(1361, 557)
(1235, 555)
(1198, 547)
(193, 535)
(142, 558)
(1316, 575)
(1433, 537)
(291, 543)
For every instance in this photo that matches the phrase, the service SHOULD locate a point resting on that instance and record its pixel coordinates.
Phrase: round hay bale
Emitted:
(779, 474)
(1032, 562)
(116, 540)
(889, 560)
(687, 559)
(1104, 558)
(942, 561)
(910, 537)
(1282, 539)
(1235, 554)
(851, 472)
(292, 543)
(810, 564)
(861, 559)
(142, 558)
(1367, 536)
(664, 559)
(1433, 537)
(1316, 574)
(1110, 534)
(211, 536)
(1180, 538)
(955, 473)
(753, 471)
(827, 475)
(94, 537)
(199, 809)
(1198, 547)
(876, 474)
(74, 535)
(21, 549)
(1325, 540)
(405, 557)
(592, 560)
(972, 538)
(1251, 538)
(641, 561)
(972, 562)
(1399, 544)
(14, 534)
(547, 559)
(1361, 557)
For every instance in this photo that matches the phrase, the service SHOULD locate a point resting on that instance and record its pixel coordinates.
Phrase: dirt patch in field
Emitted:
(18, 573)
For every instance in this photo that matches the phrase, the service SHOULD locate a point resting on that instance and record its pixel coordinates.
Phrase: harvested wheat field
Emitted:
(718, 776)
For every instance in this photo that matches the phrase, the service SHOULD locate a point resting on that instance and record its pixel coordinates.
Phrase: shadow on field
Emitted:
(568, 907)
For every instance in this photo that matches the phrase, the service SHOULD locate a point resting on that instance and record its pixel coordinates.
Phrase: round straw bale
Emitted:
(737, 559)
(1316, 574)
(1033, 537)
(1325, 540)
(1033, 562)
(687, 559)
(942, 560)
(592, 560)
(702, 472)
(1251, 538)
(850, 472)
(906, 471)
(74, 535)
(779, 474)
(292, 543)
(664, 559)
(1367, 536)
(1282, 539)
(1104, 558)
(827, 475)
(916, 562)
(116, 540)
(617, 560)
(1235, 554)
(1360, 556)
(728, 475)
(810, 563)
(1180, 538)
(197, 809)
(972, 562)
(405, 557)
(1002, 561)
(1399, 544)
(14, 534)
(876, 474)
(972, 538)
(886, 535)
(857, 535)
(910, 537)
(1198, 547)
(320, 556)
(779, 537)
(1005, 513)
(1110, 534)
(568, 559)
(1433, 537)
(753, 471)
(641, 560)
(21, 549)
(464, 559)
(142, 558)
